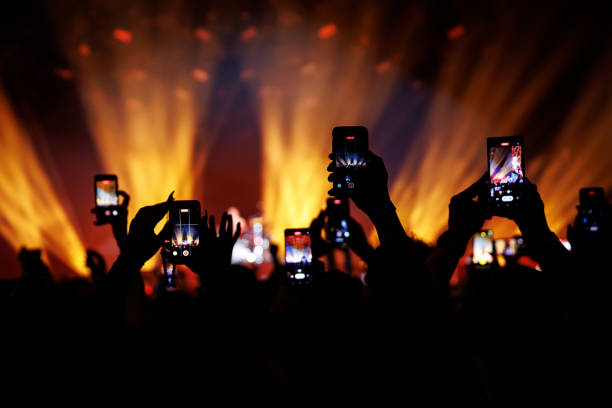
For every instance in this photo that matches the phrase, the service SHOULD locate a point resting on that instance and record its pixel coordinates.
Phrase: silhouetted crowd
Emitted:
(507, 335)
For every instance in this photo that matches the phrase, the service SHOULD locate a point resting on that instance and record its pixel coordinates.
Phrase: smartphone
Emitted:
(506, 170)
(298, 256)
(185, 218)
(105, 193)
(337, 215)
(349, 145)
(592, 209)
(483, 249)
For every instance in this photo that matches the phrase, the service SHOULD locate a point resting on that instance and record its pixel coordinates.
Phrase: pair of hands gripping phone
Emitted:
(141, 242)
(468, 211)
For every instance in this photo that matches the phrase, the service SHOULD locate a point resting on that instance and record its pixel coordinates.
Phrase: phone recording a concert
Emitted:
(105, 194)
(349, 146)
(298, 256)
(337, 220)
(506, 170)
(185, 218)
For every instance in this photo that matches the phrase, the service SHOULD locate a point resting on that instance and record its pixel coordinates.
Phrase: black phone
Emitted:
(506, 162)
(337, 220)
(483, 250)
(592, 209)
(298, 256)
(185, 218)
(349, 146)
(105, 194)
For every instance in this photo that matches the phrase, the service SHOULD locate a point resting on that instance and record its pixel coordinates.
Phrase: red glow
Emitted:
(199, 75)
(148, 289)
(84, 50)
(383, 67)
(591, 192)
(122, 35)
(350, 138)
(456, 32)
(64, 73)
(203, 34)
(297, 233)
(327, 31)
(248, 33)
(337, 201)
(505, 144)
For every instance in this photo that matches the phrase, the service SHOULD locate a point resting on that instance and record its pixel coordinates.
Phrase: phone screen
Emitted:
(350, 145)
(483, 248)
(106, 193)
(337, 215)
(298, 253)
(592, 209)
(506, 169)
(185, 216)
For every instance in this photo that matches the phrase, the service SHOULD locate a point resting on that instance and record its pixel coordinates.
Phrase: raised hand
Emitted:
(372, 195)
(214, 253)
(466, 216)
(142, 242)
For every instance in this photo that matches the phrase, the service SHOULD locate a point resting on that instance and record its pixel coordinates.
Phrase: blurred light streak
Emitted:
(448, 153)
(306, 88)
(581, 155)
(143, 102)
(31, 213)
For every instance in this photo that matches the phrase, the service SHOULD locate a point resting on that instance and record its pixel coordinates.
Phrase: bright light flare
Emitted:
(31, 214)
(142, 104)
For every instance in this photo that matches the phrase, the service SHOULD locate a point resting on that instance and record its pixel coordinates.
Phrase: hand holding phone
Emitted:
(184, 218)
(298, 256)
(106, 198)
(506, 163)
(337, 228)
(349, 147)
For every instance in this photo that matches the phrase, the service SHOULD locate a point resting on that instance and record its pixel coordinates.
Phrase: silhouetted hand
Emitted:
(466, 216)
(319, 246)
(529, 213)
(118, 222)
(96, 264)
(372, 194)
(215, 251)
(142, 242)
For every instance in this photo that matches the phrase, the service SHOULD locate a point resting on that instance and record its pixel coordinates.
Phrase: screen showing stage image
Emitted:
(483, 250)
(106, 193)
(297, 248)
(186, 229)
(349, 154)
(505, 164)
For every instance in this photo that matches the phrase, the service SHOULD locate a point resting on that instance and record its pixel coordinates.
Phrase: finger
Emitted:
(98, 223)
(331, 166)
(154, 213)
(223, 224)
(237, 234)
(171, 196)
(330, 177)
(126, 198)
(332, 156)
(204, 221)
(94, 210)
(230, 225)
(165, 234)
(472, 191)
(211, 224)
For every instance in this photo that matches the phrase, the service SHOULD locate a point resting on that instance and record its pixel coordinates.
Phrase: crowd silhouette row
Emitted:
(505, 334)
